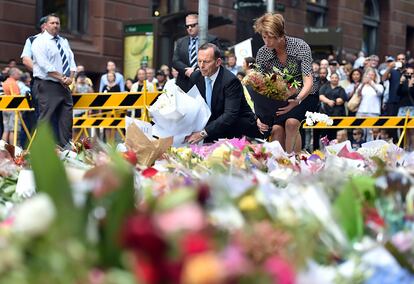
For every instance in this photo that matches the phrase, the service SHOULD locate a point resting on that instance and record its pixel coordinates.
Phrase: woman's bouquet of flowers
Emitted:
(279, 85)
(270, 91)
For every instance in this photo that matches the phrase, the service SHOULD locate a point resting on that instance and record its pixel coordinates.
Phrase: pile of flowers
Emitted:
(236, 211)
(279, 85)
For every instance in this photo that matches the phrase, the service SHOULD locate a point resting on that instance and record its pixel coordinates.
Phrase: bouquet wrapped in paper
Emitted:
(147, 150)
(178, 114)
(270, 91)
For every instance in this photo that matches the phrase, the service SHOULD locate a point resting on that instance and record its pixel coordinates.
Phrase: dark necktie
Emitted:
(65, 62)
(193, 52)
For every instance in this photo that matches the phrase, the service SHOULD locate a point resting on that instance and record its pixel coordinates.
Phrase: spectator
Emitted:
(10, 88)
(128, 84)
(164, 68)
(371, 93)
(393, 75)
(324, 64)
(12, 63)
(406, 92)
(139, 84)
(111, 85)
(341, 136)
(332, 98)
(345, 71)
(323, 76)
(151, 80)
(357, 138)
(232, 64)
(248, 64)
(161, 80)
(119, 78)
(81, 69)
(355, 78)
(171, 83)
(315, 67)
(359, 62)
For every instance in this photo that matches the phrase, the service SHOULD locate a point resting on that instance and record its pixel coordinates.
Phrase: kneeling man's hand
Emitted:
(194, 138)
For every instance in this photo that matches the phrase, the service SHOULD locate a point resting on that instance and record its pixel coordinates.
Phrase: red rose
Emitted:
(194, 243)
(131, 157)
(140, 235)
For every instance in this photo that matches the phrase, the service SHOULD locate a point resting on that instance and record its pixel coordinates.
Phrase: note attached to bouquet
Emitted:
(144, 126)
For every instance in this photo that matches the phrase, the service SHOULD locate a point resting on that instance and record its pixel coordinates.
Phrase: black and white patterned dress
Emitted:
(299, 62)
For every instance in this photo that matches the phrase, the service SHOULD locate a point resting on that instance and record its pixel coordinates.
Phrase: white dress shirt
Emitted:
(46, 56)
(27, 49)
(213, 78)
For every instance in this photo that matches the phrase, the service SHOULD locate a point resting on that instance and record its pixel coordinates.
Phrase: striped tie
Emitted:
(65, 62)
(193, 52)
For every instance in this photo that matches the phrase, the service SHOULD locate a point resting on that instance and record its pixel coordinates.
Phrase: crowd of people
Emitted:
(340, 85)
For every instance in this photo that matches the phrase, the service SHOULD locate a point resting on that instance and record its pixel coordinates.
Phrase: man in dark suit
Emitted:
(185, 53)
(231, 116)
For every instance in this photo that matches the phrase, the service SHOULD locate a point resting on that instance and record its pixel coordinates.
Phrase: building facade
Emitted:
(96, 29)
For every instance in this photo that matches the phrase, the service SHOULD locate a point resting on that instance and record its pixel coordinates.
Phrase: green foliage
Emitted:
(119, 204)
(348, 205)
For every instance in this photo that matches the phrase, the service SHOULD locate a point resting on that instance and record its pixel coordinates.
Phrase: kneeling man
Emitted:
(231, 116)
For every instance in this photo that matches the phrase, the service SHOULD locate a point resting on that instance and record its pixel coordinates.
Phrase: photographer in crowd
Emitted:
(405, 92)
(393, 75)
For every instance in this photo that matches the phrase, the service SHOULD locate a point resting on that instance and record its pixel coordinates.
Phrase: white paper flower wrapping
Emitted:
(179, 114)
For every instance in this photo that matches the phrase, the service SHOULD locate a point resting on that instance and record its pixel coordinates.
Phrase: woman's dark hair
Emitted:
(352, 73)
(250, 62)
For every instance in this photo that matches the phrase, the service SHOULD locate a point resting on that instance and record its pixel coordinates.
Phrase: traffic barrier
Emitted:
(16, 104)
(389, 122)
(108, 101)
(115, 105)
(365, 122)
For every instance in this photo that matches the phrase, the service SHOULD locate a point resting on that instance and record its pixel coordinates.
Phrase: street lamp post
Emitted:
(203, 20)
(270, 6)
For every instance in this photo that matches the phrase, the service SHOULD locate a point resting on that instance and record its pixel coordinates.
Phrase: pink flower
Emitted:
(184, 217)
(234, 261)
(281, 271)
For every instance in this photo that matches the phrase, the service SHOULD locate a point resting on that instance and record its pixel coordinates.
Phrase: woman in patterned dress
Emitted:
(283, 51)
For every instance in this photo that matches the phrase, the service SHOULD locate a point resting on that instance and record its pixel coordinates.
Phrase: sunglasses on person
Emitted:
(191, 25)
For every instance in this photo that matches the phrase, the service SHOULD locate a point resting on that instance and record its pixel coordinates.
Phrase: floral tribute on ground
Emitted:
(236, 211)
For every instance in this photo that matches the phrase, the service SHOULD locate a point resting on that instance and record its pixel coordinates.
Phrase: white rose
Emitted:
(34, 216)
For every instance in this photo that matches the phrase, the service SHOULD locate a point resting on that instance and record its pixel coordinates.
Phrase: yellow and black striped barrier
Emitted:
(366, 122)
(98, 122)
(84, 123)
(105, 101)
(14, 103)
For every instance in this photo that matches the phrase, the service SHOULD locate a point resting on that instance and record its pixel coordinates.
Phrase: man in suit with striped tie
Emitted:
(54, 66)
(185, 53)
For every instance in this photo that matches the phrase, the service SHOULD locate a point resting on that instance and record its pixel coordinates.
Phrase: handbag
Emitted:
(354, 102)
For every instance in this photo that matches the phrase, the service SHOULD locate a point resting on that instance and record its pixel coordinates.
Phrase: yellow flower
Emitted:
(204, 268)
(248, 203)
(319, 153)
(219, 155)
